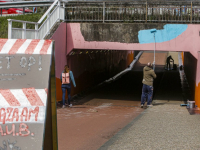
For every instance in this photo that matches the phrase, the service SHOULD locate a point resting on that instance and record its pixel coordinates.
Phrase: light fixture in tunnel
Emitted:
(71, 53)
(87, 52)
(80, 52)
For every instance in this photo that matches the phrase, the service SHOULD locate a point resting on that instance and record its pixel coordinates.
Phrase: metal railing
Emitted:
(21, 4)
(174, 12)
(137, 11)
(42, 27)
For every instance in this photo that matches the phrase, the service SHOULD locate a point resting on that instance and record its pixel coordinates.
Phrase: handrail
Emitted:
(47, 12)
(46, 16)
(22, 21)
(25, 4)
(42, 18)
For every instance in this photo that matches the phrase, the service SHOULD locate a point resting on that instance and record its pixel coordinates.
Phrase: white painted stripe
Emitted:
(38, 47)
(20, 96)
(50, 48)
(8, 45)
(24, 46)
(3, 102)
(43, 95)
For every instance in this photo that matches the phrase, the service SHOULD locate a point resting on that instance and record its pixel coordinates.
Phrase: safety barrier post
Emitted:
(36, 31)
(24, 30)
(48, 22)
(64, 10)
(59, 9)
(146, 12)
(104, 12)
(9, 28)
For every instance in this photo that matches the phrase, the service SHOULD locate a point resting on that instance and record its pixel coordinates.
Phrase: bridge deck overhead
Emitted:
(169, 37)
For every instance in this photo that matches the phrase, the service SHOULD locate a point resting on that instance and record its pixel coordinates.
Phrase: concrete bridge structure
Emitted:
(100, 40)
(82, 41)
(114, 32)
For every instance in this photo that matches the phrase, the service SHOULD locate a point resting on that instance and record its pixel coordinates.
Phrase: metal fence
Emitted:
(41, 28)
(138, 12)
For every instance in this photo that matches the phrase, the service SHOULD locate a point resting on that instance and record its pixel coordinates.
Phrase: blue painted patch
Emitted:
(170, 31)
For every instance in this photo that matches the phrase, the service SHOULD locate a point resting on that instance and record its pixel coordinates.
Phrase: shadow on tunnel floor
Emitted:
(169, 87)
(128, 88)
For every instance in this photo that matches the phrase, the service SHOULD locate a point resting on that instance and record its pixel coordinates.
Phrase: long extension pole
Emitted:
(154, 32)
(154, 62)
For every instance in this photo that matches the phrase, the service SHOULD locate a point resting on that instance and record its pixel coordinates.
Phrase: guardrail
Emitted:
(137, 11)
(42, 27)
(25, 4)
(92, 11)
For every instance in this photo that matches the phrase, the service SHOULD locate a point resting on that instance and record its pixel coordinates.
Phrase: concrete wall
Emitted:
(190, 66)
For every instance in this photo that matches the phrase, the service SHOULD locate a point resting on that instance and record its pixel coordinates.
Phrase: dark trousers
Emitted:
(147, 92)
(64, 88)
(168, 65)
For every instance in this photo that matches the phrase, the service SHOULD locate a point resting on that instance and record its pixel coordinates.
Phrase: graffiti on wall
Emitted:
(25, 67)
(9, 145)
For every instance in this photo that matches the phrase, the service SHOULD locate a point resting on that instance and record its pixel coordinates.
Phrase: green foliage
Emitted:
(27, 17)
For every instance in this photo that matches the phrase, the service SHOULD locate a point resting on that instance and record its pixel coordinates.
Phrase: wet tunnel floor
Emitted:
(128, 89)
(167, 87)
(95, 118)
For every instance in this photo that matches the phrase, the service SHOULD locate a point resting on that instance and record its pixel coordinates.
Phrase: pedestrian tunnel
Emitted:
(97, 66)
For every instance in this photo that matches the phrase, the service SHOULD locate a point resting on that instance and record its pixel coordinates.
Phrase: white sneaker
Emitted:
(70, 105)
(63, 106)
(141, 105)
(149, 105)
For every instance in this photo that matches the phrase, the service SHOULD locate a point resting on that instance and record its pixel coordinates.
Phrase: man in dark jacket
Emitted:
(147, 89)
(169, 59)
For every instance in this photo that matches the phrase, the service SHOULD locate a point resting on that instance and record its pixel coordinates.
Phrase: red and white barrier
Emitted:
(25, 46)
(24, 82)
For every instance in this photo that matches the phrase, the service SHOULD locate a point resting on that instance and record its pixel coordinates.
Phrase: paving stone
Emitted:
(165, 126)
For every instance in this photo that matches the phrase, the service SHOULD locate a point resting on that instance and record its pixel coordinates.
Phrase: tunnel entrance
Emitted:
(126, 91)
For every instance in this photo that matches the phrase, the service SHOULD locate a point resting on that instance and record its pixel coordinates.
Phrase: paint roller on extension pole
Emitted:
(154, 32)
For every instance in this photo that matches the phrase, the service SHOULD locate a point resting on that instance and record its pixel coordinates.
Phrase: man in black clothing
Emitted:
(169, 58)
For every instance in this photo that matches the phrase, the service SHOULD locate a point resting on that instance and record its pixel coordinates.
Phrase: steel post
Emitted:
(9, 29)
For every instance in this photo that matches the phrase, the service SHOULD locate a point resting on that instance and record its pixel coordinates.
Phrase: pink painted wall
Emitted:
(187, 41)
(60, 38)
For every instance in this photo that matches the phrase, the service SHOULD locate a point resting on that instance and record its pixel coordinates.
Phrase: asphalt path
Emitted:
(99, 115)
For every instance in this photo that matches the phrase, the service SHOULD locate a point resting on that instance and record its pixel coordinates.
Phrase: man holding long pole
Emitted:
(147, 89)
